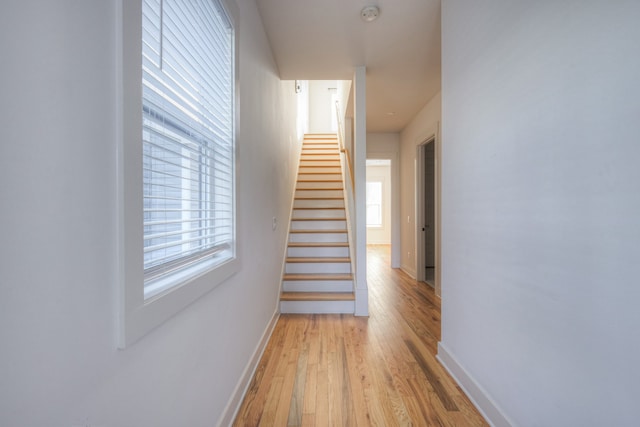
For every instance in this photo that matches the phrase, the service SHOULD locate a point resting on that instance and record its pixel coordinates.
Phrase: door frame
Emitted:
(420, 206)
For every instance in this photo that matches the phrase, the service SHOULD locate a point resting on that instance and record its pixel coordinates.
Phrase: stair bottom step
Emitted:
(318, 276)
(317, 307)
(317, 286)
(317, 296)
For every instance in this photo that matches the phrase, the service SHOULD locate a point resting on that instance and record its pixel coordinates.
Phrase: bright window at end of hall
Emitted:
(374, 204)
(188, 140)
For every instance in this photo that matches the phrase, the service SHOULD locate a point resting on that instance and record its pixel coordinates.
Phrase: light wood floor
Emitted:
(341, 370)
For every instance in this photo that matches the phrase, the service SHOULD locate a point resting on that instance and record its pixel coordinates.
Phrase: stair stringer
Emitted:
(293, 200)
(348, 208)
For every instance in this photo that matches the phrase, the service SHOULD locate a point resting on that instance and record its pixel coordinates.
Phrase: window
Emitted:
(374, 204)
(187, 103)
(178, 156)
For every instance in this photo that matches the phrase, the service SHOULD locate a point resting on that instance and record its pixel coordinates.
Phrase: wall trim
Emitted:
(478, 396)
(411, 272)
(362, 302)
(231, 410)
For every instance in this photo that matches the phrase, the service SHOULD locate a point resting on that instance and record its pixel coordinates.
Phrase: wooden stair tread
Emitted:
(318, 244)
(334, 231)
(318, 198)
(317, 296)
(319, 180)
(320, 163)
(318, 219)
(317, 276)
(314, 208)
(320, 189)
(317, 259)
(319, 173)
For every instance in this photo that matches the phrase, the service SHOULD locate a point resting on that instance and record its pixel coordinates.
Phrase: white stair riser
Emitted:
(319, 307)
(317, 267)
(319, 164)
(317, 286)
(319, 177)
(314, 252)
(319, 184)
(318, 204)
(330, 151)
(319, 161)
(318, 213)
(318, 237)
(319, 170)
(319, 193)
(318, 225)
(321, 158)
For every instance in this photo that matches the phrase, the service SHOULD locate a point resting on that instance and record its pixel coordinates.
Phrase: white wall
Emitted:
(422, 127)
(321, 110)
(58, 306)
(541, 208)
(382, 174)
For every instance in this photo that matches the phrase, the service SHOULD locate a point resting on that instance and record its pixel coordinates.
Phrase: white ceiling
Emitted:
(326, 39)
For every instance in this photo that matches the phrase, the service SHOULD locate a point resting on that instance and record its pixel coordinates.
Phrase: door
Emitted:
(427, 219)
(429, 213)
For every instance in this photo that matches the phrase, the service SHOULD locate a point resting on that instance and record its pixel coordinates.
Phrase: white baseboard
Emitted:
(487, 407)
(411, 272)
(362, 302)
(231, 410)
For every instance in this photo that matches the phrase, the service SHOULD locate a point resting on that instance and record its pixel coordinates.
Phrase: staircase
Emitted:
(318, 276)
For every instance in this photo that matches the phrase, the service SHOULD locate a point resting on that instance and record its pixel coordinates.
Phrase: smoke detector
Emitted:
(370, 13)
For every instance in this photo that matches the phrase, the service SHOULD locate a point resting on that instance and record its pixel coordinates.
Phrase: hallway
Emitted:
(342, 370)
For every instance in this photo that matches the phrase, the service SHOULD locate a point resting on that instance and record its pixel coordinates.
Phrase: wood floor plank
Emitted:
(297, 398)
(353, 364)
(340, 370)
(322, 382)
(287, 370)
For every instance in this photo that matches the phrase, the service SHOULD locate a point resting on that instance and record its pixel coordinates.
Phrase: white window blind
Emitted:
(188, 140)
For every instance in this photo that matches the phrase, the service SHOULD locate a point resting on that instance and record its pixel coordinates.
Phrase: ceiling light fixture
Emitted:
(370, 13)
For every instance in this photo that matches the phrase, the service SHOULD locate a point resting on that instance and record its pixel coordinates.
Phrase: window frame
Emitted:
(138, 316)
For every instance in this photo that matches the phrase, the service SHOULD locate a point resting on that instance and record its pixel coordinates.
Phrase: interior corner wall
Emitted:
(344, 95)
(58, 263)
(541, 208)
(321, 111)
(423, 126)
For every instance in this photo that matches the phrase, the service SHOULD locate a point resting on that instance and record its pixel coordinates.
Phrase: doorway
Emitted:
(378, 202)
(390, 210)
(427, 214)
